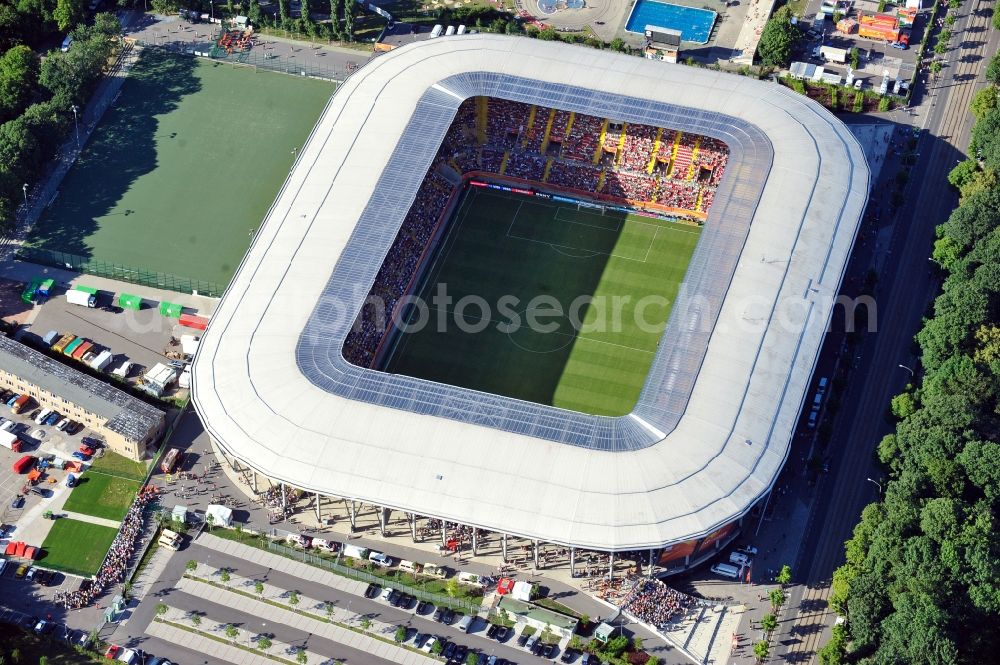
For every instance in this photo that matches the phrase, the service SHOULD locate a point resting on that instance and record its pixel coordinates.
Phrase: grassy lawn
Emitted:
(182, 167)
(113, 464)
(76, 547)
(101, 495)
(32, 648)
(550, 258)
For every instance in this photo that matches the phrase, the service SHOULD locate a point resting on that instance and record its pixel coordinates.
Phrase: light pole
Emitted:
(908, 369)
(76, 123)
(211, 4)
(24, 188)
(877, 484)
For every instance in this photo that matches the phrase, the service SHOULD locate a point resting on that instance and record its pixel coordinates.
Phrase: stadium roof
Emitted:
(713, 425)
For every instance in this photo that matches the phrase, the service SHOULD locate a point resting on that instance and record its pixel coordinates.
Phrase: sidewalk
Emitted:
(100, 521)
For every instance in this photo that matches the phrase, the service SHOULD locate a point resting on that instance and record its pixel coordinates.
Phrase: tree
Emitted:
(985, 142)
(618, 44)
(224, 576)
(778, 39)
(293, 598)
(18, 79)
(616, 646)
(835, 651)
(761, 650)
(777, 598)
(769, 622)
(263, 642)
(195, 619)
(451, 588)
(437, 648)
(191, 565)
(548, 34)
(941, 47)
(400, 635)
(43, 660)
(349, 20)
(637, 643)
(258, 587)
(68, 13)
(653, 660)
(472, 658)
(365, 623)
(300, 656)
(784, 576)
(936, 67)
(328, 606)
(949, 20)
(231, 631)
(161, 609)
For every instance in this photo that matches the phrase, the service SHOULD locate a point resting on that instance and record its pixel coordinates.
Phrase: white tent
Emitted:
(522, 591)
(221, 516)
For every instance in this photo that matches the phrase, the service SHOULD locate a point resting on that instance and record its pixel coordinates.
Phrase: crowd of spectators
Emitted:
(513, 145)
(654, 603)
(116, 563)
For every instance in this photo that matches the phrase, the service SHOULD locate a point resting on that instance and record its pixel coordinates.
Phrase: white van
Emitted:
(40, 418)
(411, 566)
(726, 570)
(380, 559)
(355, 552)
(170, 539)
(465, 623)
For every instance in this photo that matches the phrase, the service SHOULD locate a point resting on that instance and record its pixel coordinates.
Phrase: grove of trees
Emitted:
(922, 579)
(778, 39)
(37, 95)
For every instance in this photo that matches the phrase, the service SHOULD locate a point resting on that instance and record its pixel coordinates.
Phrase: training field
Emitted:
(76, 547)
(509, 250)
(183, 165)
(101, 495)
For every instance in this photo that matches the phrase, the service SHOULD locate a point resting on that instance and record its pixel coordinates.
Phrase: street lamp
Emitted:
(76, 123)
(24, 188)
(211, 4)
(908, 369)
(877, 484)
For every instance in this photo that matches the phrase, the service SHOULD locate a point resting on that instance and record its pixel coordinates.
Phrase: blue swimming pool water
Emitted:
(695, 24)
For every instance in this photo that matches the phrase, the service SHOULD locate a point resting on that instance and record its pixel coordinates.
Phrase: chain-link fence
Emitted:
(255, 59)
(117, 271)
(364, 576)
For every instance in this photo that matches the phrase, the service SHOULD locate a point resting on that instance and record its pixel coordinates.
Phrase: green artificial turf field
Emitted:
(76, 547)
(102, 495)
(503, 247)
(183, 165)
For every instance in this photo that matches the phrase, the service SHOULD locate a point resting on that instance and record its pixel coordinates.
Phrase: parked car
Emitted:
(62, 424)
(429, 644)
(503, 633)
(491, 632)
(112, 652)
(80, 456)
(30, 576)
(568, 655)
(425, 607)
(449, 650)
(380, 559)
(439, 615)
(86, 450)
(461, 651)
(53, 418)
(900, 45)
(44, 627)
(92, 442)
(372, 591)
(17, 501)
(449, 616)
(38, 434)
(522, 639)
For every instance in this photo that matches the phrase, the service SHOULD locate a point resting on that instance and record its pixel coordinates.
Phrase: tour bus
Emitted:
(170, 460)
(170, 539)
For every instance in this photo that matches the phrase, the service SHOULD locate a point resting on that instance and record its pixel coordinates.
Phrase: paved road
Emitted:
(905, 287)
(132, 633)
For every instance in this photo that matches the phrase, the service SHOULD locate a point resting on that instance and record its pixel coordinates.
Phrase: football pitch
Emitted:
(183, 165)
(546, 302)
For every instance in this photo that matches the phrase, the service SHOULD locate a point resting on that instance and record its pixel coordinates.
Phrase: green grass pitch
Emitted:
(76, 547)
(102, 495)
(592, 358)
(183, 165)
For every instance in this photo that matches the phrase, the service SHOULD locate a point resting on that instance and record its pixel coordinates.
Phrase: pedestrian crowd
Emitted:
(654, 603)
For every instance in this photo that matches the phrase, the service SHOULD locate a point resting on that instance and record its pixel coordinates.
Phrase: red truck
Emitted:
(25, 464)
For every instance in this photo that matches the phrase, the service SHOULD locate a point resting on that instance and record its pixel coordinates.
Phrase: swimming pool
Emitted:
(695, 24)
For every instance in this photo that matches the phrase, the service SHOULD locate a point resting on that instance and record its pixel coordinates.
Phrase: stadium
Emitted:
(717, 210)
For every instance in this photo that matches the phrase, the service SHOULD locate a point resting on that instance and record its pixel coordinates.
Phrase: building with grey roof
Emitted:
(128, 425)
(713, 425)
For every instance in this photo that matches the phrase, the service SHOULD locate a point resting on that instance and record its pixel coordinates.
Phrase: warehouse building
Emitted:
(128, 425)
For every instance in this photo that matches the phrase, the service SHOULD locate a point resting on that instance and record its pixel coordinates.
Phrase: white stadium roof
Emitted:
(713, 424)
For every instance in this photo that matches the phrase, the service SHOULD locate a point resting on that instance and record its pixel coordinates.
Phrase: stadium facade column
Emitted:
(444, 533)
(383, 517)
(611, 566)
(412, 519)
(319, 510)
(534, 553)
(284, 499)
(475, 541)
(352, 511)
(650, 563)
(503, 546)
(572, 562)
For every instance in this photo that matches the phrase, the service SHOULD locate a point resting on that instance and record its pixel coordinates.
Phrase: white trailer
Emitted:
(10, 441)
(81, 298)
(102, 361)
(833, 54)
